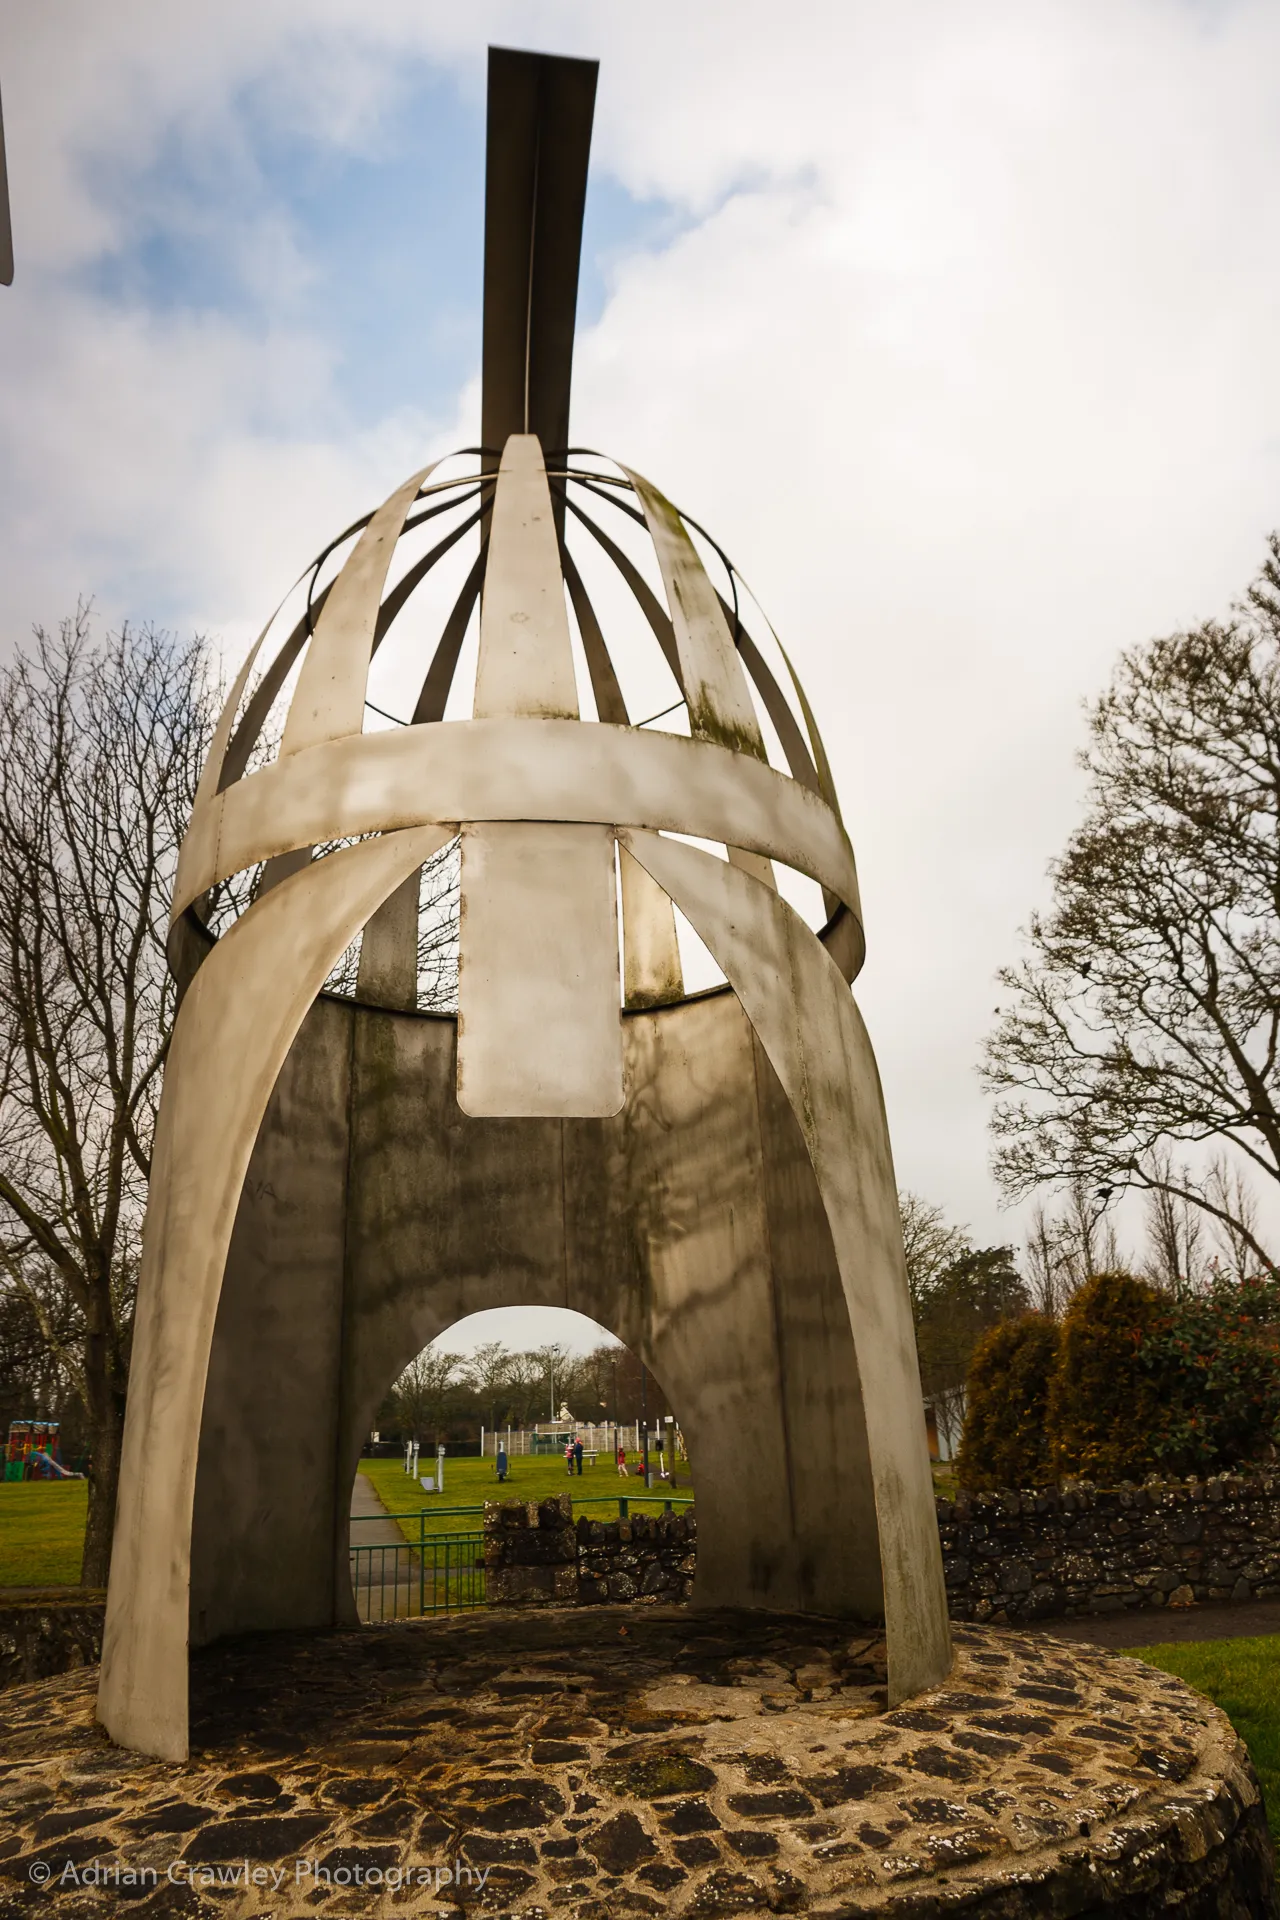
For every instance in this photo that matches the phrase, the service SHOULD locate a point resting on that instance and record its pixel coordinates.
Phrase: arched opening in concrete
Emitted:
(376, 1215)
(518, 1405)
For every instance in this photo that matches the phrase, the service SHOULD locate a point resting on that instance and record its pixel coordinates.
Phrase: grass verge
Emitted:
(1243, 1678)
(42, 1532)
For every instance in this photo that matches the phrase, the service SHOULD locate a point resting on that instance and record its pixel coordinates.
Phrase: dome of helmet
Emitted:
(660, 633)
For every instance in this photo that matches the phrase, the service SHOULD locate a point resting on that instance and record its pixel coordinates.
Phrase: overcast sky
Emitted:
(957, 324)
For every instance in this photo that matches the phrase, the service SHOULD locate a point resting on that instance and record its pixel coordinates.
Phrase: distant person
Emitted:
(568, 1456)
(501, 1463)
(577, 1456)
(622, 1463)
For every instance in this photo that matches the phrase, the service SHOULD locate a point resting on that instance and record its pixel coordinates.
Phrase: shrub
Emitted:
(1214, 1359)
(1104, 1409)
(1004, 1443)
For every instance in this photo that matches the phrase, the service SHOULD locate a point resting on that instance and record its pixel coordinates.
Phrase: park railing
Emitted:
(442, 1570)
(439, 1572)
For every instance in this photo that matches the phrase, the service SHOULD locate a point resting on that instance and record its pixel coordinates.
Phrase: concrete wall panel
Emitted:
(689, 1224)
(265, 1480)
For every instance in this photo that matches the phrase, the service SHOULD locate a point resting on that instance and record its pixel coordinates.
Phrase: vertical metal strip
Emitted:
(539, 1031)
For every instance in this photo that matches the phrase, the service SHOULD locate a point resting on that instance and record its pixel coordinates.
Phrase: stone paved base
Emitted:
(590, 1765)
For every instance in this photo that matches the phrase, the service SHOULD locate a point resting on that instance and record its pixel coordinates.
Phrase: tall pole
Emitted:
(644, 1423)
(6, 227)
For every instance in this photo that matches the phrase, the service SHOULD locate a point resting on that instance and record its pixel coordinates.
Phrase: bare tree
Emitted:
(1065, 1248)
(100, 751)
(1236, 1222)
(1175, 1232)
(526, 1394)
(38, 1345)
(423, 1392)
(488, 1374)
(1049, 1284)
(1146, 1012)
(930, 1245)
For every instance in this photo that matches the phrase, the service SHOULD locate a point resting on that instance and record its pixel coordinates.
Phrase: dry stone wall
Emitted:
(1041, 1554)
(49, 1633)
(1052, 1552)
(535, 1555)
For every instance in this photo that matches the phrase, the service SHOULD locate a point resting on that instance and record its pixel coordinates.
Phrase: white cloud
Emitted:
(966, 352)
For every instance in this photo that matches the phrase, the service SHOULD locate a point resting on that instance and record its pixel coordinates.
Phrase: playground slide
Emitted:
(51, 1470)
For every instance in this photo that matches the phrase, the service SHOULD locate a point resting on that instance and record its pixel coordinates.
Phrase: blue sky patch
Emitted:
(378, 253)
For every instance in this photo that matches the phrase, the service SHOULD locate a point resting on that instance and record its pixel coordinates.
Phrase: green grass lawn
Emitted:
(531, 1477)
(42, 1532)
(42, 1521)
(1243, 1678)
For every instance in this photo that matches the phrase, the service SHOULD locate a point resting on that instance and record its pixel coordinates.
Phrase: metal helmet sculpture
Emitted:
(336, 1180)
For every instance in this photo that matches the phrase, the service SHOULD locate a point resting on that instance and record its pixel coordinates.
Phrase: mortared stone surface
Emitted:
(589, 1765)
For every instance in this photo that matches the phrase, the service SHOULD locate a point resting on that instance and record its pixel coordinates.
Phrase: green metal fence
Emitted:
(438, 1573)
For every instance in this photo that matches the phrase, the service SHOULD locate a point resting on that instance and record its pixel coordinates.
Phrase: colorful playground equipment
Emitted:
(31, 1452)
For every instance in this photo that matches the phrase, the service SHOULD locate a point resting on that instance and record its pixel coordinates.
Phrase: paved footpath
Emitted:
(1158, 1627)
(376, 1528)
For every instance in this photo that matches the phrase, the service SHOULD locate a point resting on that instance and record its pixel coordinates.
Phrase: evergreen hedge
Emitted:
(1104, 1405)
(1004, 1442)
(1135, 1381)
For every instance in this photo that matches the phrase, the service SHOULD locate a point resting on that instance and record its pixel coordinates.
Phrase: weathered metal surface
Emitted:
(651, 972)
(711, 674)
(329, 698)
(525, 669)
(689, 1223)
(515, 770)
(646, 599)
(435, 688)
(540, 115)
(606, 692)
(6, 223)
(245, 1004)
(261, 1540)
(810, 1028)
(538, 1018)
(388, 970)
(539, 1025)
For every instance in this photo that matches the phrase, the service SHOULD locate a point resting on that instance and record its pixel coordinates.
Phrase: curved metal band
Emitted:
(646, 599)
(235, 757)
(475, 770)
(610, 704)
(434, 697)
(247, 734)
(328, 700)
(246, 1003)
(808, 1024)
(409, 582)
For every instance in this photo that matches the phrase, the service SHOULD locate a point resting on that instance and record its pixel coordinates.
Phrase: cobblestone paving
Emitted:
(587, 1766)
